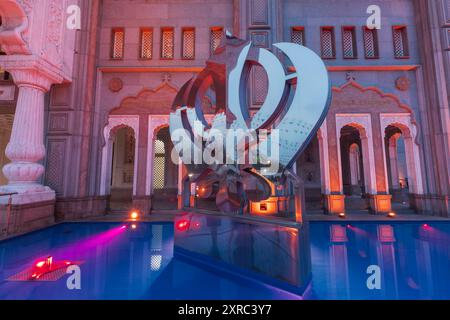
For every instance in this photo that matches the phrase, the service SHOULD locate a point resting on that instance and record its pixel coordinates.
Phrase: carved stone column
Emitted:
(26, 146)
(394, 162)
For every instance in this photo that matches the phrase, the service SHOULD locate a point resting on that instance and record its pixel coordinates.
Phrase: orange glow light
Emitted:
(133, 226)
(267, 207)
(391, 214)
(134, 215)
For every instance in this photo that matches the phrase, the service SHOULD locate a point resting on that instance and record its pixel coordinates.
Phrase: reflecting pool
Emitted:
(119, 261)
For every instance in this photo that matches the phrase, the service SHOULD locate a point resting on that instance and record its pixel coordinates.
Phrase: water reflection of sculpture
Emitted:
(296, 104)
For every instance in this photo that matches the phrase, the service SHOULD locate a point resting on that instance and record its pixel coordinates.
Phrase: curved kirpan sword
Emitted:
(295, 113)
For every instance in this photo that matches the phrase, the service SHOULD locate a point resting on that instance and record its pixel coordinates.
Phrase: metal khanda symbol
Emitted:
(296, 104)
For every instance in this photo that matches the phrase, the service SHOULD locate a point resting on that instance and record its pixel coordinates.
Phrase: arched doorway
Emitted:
(396, 165)
(308, 168)
(402, 162)
(122, 168)
(353, 141)
(165, 172)
(119, 161)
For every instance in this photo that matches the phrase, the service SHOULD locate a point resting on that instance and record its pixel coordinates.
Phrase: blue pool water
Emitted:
(413, 259)
(126, 263)
(118, 263)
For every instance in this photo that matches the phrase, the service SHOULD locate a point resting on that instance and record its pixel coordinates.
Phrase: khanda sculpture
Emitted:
(237, 154)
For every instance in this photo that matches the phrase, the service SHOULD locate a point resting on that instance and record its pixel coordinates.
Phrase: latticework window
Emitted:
(155, 262)
(327, 43)
(298, 35)
(349, 42)
(370, 43)
(400, 42)
(167, 43)
(118, 40)
(146, 43)
(216, 37)
(159, 165)
(188, 43)
(260, 85)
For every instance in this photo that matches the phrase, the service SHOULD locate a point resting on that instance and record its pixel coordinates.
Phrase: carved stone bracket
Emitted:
(32, 71)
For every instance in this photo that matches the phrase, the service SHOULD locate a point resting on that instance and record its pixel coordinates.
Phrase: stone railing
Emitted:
(5, 214)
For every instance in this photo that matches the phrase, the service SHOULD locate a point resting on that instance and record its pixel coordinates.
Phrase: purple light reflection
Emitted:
(77, 249)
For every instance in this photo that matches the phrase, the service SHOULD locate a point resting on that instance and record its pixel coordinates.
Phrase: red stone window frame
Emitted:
(345, 43)
(163, 56)
(376, 50)
(214, 32)
(145, 55)
(332, 45)
(117, 49)
(184, 45)
(402, 43)
(296, 31)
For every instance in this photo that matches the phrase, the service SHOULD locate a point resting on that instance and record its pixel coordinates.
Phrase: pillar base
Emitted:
(80, 207)
(27, 193)
(192, 201)
(28, 217)
(142, 203)
(180, 201)
(430, 204)
(334, 203)
(380, 203)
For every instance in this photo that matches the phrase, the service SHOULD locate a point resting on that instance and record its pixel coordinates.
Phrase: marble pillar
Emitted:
(26, 146)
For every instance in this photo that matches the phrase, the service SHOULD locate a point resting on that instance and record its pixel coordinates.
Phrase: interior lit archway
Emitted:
(400, 174)
(165, 172)
(354, 168)
(308, 168)
(122, 168)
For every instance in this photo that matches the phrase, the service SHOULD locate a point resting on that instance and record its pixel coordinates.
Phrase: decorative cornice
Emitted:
(149, 69)
(349, 68)
(138, 69)
(32, 71)
(373, 68)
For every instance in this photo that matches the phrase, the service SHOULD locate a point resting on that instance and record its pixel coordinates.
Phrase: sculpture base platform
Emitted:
(279, 256)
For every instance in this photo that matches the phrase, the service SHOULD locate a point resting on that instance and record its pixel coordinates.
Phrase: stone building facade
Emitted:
(90, 106)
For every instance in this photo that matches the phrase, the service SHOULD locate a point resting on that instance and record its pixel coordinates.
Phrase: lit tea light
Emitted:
(342, 215)
(134, 215)
(391, 214)
(133, 226)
